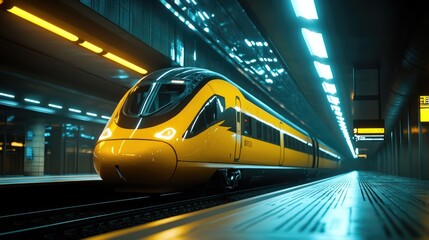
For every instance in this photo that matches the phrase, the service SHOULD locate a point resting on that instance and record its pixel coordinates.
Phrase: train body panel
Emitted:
(178, 127)
(157, 160)
(295, 158)
(206, 136)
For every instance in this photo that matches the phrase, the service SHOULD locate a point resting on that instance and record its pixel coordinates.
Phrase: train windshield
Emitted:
(147, 99)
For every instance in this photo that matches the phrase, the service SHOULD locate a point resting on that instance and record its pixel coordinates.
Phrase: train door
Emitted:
(282, 148)
(238, 129)
(315, 153)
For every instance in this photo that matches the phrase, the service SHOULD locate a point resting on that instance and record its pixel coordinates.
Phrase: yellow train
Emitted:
(181, 127)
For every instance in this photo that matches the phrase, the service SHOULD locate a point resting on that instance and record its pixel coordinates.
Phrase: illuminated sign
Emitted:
(424, 108)
(360, 131)
(368, 130)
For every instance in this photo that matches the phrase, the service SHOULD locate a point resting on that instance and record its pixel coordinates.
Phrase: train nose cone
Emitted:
(135, 162)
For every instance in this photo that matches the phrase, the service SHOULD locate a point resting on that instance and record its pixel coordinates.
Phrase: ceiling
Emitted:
(359, 34)
(39, 65)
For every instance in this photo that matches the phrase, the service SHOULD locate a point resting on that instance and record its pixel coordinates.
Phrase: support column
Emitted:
(34, 156)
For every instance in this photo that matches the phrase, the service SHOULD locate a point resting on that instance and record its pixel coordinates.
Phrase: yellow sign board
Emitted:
(369, 131)
(424, 108)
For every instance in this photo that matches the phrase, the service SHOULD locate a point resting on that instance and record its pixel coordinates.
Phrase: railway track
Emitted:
(85, 220)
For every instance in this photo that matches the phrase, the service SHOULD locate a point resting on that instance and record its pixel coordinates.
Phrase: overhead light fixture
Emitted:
(329, 88)
(7, 95)
(91, 114)
(305, 9)
(124, 62)
(32, 100)
(70, 36)
(333, 100)
(42, 23)
(323, 70)
(315, 43)
(91, 47)
(55, 106)
(75, 110)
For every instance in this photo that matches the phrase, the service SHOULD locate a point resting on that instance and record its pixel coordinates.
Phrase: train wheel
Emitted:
(224, 180)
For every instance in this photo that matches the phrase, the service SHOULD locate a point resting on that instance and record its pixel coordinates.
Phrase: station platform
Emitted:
(16, 180)
(354, 205)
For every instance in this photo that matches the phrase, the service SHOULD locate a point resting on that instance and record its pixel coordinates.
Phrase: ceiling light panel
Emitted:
(316, 47)
(305, 9)
(315, 43)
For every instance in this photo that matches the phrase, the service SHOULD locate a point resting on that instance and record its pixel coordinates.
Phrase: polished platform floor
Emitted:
(355, 205)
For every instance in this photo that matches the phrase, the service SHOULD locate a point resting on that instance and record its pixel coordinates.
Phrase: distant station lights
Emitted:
(306, 10)
(73, 38)
(253, 57)
(9, 99)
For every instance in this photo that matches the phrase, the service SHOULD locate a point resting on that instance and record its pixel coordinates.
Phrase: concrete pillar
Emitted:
(34, 153)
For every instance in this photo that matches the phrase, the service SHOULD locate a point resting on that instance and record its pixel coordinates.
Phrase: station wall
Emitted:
(405, 151)
(36, 144)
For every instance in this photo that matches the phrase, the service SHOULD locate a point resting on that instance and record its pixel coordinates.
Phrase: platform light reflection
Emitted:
(166, 134)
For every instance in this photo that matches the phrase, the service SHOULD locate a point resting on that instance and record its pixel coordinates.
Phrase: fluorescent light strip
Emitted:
(329, 88)
(91, 114)
(69, 36)
(55, 106)
(7, 95)
(125, 63)
(323, 70)
(31, 100)
(75, 110)
(105, 117)
(91, 47)
(305, 9)
(315, 43)
(333, 100)
(42, 23)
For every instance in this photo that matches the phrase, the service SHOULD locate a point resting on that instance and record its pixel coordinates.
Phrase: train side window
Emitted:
(258, 130)
(285, 140)
(269, 134)
(198, 125)
(276, 137)
(264, 132)
(208, 115)
(136, 99)
(210, 111)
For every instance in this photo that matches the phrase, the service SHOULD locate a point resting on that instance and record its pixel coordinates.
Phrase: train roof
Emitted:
(201, 75)
(195, 74)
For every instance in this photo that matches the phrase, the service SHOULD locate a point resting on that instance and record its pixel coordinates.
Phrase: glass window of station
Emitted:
(36, 144)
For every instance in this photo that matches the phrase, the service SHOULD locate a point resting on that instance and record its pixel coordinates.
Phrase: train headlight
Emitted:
(105, 134)
(166, 134)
